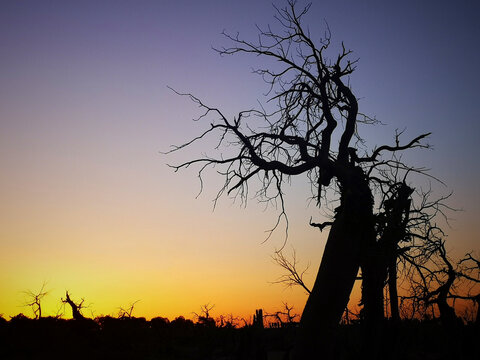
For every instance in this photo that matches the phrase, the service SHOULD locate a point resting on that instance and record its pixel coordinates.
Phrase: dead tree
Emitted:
(127, 313)
(436, 280)
(407, 234)
(314, 106)
(76, 308)
(204, 317)
(35, 299)
(432, 276)
(227, 321)
(422, 259)
(470, 272)
(440, 294)
(282, 318)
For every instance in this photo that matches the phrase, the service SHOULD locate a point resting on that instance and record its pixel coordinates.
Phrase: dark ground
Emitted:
(137, 338)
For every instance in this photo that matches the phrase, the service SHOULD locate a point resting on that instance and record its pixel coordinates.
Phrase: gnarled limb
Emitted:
(76, 308)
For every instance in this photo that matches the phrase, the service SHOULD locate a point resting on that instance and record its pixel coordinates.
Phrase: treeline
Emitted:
(125, 337)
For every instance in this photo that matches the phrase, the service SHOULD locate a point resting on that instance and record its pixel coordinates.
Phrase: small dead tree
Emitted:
(437, 281)
(127, 313)
(431, 276)
(227, 321)
(34, 300)
(468, 273)
(76, 308)
(204, 317)
(282, 318)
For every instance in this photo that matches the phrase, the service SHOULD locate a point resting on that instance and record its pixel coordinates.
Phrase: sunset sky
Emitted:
(87, 201)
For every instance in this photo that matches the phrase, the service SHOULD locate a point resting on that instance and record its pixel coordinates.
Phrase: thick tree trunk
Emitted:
(392, 290)
(373, 267)
(338, 270)
(75, 308)
(330, 293)
(447, 313)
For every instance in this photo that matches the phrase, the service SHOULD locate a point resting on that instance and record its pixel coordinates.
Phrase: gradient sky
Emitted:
(87, 202)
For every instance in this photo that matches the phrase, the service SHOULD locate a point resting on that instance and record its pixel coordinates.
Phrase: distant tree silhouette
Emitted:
(315, 106)
(436, 280)
(127, 312)
(440, 294)
(181, 323)
(282, 318)
(204, 318)
(470, 272)
(159, 322)
(76, 308)
(258, 319)
(228, 321)
(34, 300)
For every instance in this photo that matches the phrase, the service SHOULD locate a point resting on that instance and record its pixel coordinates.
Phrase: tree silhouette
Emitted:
(282, 318)
(204, 317)
(127, 312)
(34, 300)
(436, 280)
(422, 258)
(406, 237)
(76, 308)
(315, 106)
(470, 273)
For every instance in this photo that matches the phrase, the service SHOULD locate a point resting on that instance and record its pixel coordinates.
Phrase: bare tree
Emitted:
(127, 313)
(204, 317)
(437, 282)
(282, 318)
(34, 300)
(76, 308)
(313, 97)
(432, 280)
(227, 321)
(470, 272)
(422, 259)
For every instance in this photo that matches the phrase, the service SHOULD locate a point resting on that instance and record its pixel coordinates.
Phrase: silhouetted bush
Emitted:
(159, 323)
